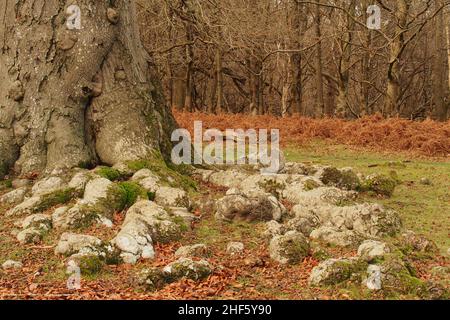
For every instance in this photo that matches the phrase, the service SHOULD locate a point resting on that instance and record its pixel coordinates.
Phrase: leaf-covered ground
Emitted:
(424, 209)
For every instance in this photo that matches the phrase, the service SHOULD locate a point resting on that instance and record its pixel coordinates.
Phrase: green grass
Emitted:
(218, 234)
(108, 173)
(172, 175)
(55, 198)
(130, 192)
(424, 209)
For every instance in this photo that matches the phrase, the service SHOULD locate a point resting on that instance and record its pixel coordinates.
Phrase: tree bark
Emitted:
(300, 24)
(255, 86)
(292, 91)
(320, 102)
(71, 97)
(189, 29)
(439, 74)
(393, 77)
(344, 63)
(219, 75)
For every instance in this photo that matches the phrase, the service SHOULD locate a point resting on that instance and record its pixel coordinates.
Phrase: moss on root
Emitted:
(399, 277)
(173, 175)
(109, 173)
(152, 279)
(89, 215)
(295, 251)
(350, 270)
(310, 184)
(6, 184)
(4, 169)
(273, 187)
(380, 184)
(130, 192)
(90, 264)
(181, 223)
(56, 198)
(168, 232)
(345, 178)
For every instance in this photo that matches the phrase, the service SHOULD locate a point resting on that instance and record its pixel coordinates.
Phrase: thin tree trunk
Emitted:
(440, 86)
(253, 87)
(219, 75)
(320, 102)
(212, 93)
(366, 70)
(292, 89)
(189, 29)
(344, 65)
(448, 54)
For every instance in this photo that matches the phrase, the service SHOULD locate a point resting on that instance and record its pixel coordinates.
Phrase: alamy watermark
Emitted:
(73, 13)
(74, 272)
(374, 18)
(229, 147)
(73, 21)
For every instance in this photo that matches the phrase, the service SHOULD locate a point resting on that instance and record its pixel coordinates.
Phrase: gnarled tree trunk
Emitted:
(73, 96)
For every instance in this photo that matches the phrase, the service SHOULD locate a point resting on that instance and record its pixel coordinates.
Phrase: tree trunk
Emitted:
(219, 75)
(189, 29)
(212, 92)
(447, 32)
(76, 96)
(291, 99)
(440, 85)
(398, 42)
(320, 102)
(254, 88)
(178, 93)
(344, 63)
(366, 71)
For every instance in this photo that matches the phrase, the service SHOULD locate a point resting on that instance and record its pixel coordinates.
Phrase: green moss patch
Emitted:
(380, 184)
(129, 193)
(90, 264)
(273, 187)
(310, 184)
(6, 184)
(399, 277)
(108, 173)
(173, 175)
(56, 198)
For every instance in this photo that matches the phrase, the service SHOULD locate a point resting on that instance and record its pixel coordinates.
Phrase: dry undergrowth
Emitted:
(426, 138)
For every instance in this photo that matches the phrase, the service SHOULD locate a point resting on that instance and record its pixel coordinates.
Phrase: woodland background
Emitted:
(311, 58)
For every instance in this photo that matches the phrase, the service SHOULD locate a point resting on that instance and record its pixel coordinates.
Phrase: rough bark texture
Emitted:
(71, 97)
(320, 102)
(345, 64)
(440, 87)
(393, 90)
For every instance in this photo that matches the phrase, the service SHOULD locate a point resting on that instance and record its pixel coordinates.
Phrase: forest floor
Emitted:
(424, 208)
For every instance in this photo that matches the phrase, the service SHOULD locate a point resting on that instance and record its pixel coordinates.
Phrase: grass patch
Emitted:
(423, 208)
(56, 198)
(108, 173)
(6, 184)
(129, 194)
(173, 175)
(219, 234)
